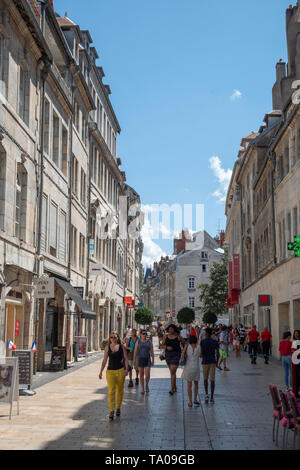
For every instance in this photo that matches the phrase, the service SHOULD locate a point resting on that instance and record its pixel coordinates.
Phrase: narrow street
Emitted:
(71, 413)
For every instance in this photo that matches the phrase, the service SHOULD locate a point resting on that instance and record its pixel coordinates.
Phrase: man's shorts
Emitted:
(223, 353)
(209, 370)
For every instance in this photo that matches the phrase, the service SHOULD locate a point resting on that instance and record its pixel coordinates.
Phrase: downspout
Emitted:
(92, 126)
(242, 234)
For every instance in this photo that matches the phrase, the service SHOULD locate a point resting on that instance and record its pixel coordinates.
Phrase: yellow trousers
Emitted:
(115, 383)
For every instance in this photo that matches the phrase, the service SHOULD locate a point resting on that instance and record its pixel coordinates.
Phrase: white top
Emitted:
(191, 370)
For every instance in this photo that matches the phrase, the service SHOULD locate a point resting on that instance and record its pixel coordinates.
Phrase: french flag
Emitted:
(11, 345)
(33, 347)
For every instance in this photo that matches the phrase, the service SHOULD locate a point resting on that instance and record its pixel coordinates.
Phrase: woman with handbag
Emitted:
(130, 347)
(115, 354)
(190, 356)
(144, 359)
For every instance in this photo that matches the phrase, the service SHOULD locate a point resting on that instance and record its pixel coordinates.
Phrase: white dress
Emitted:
(191, 370)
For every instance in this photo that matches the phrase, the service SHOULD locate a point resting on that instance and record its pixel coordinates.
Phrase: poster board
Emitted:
(9, 382)
(296, 368)
(25, 365)
(82, 342)
(58, 359)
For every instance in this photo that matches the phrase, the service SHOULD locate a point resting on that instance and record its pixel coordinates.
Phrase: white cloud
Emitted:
(223, 176)
(237, 94)
(152, 251)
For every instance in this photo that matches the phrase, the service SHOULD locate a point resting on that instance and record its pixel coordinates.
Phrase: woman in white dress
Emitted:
(191, 372)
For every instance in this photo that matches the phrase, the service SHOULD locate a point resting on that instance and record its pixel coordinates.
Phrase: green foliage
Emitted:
(144, 316)
(186, 315)
(210, 318)
(214, 295)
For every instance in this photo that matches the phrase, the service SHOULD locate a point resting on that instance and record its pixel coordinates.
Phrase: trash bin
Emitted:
(76, 351)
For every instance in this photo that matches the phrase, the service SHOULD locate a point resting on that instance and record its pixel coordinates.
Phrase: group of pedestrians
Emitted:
(187, 347)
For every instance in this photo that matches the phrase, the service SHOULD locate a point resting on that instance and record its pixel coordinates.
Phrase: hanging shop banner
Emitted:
(25, 365)
(128, 300)
(45, 288)
(9, 381)
(82, 343)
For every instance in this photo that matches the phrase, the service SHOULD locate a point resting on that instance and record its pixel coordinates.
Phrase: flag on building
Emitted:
(33, 347)
(11, 345)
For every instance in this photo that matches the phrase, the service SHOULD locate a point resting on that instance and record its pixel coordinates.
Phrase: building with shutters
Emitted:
(61, 187)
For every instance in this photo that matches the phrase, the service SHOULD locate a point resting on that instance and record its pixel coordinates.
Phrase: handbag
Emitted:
(162, 355)
(183, 360)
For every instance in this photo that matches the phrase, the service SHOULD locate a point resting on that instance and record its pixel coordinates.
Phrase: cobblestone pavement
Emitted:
(72, 413)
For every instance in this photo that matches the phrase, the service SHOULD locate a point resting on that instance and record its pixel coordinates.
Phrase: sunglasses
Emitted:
(113, 337)
(143, 334)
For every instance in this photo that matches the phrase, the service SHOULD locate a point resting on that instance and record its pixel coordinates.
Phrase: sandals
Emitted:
(111, 416)
(118, 413)
(206, 399)
(190, 405)
(197, 403)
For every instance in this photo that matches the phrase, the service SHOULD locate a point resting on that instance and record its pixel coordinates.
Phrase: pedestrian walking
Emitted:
(266, 342)
(115, 354)
(285, 349)
(191, 371)
(209, 349)
(144, 359)
(172, 344)
(223, 348)
(252, 341)
(236, 341)
(243, 335)
(127, 332)
(130, 347)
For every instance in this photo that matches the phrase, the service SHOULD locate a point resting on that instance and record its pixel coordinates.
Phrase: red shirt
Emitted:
(253, 335)
(285, 347)
(266, 336)
(193, 332)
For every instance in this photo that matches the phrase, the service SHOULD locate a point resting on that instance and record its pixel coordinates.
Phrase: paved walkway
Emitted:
(72, 413)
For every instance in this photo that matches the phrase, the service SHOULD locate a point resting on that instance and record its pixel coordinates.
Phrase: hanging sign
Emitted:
(45, 288)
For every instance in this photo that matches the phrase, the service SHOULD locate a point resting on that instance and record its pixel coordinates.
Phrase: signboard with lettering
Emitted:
(58, 359)
(82, 343)
(45, 288)
(25, 365)
(296, 368)
(95, 269)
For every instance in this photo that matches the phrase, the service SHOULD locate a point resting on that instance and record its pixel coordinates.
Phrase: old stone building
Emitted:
(262, 208)
(173, 283)
(61, 186)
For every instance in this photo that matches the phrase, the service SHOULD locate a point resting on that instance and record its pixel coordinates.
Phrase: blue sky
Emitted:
(189, 80)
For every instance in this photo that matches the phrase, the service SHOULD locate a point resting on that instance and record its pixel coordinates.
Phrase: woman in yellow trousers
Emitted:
(116, 372)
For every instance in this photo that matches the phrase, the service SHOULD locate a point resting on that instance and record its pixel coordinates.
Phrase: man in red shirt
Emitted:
(252, 340)
(266, 339)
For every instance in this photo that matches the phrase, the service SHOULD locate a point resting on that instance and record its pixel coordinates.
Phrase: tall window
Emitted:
(204, 269)
(44, 230)
(81, 252)
(63, 236)
(295, 221)
(21, 203)
(47, 127)
(75, 175)
(74, 247)
(191, 302)
(55, 139)
(53, 230)
(18, 207)
(64, 151)
(23, 95)
(1, 59)
(83, 188)
(191, 283)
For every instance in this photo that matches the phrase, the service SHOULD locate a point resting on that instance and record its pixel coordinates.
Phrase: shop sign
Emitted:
(127, 300)
(45, 288)
(95, 269)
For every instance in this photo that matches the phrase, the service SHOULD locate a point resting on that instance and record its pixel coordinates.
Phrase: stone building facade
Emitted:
(262, 207)
(173, 283)
(61, 187)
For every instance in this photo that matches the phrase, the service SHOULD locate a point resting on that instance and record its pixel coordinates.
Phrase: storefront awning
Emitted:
(86, 311)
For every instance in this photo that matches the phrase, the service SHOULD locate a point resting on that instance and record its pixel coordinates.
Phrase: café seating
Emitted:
(296, 416)
(287, 421)
(277, 411)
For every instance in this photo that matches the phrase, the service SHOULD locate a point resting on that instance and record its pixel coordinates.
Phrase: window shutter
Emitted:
(53, 226)
(62, 236)
(44, 216)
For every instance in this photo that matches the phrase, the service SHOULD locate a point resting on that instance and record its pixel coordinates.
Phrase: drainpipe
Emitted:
(242, 234)
(92, 126)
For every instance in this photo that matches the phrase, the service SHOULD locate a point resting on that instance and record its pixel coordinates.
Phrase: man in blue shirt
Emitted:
(209, 348)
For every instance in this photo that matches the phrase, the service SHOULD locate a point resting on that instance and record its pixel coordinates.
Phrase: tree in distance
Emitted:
(144, 316)
(186, 315)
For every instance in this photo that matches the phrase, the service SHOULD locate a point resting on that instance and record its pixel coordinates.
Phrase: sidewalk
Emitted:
(71, 413)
